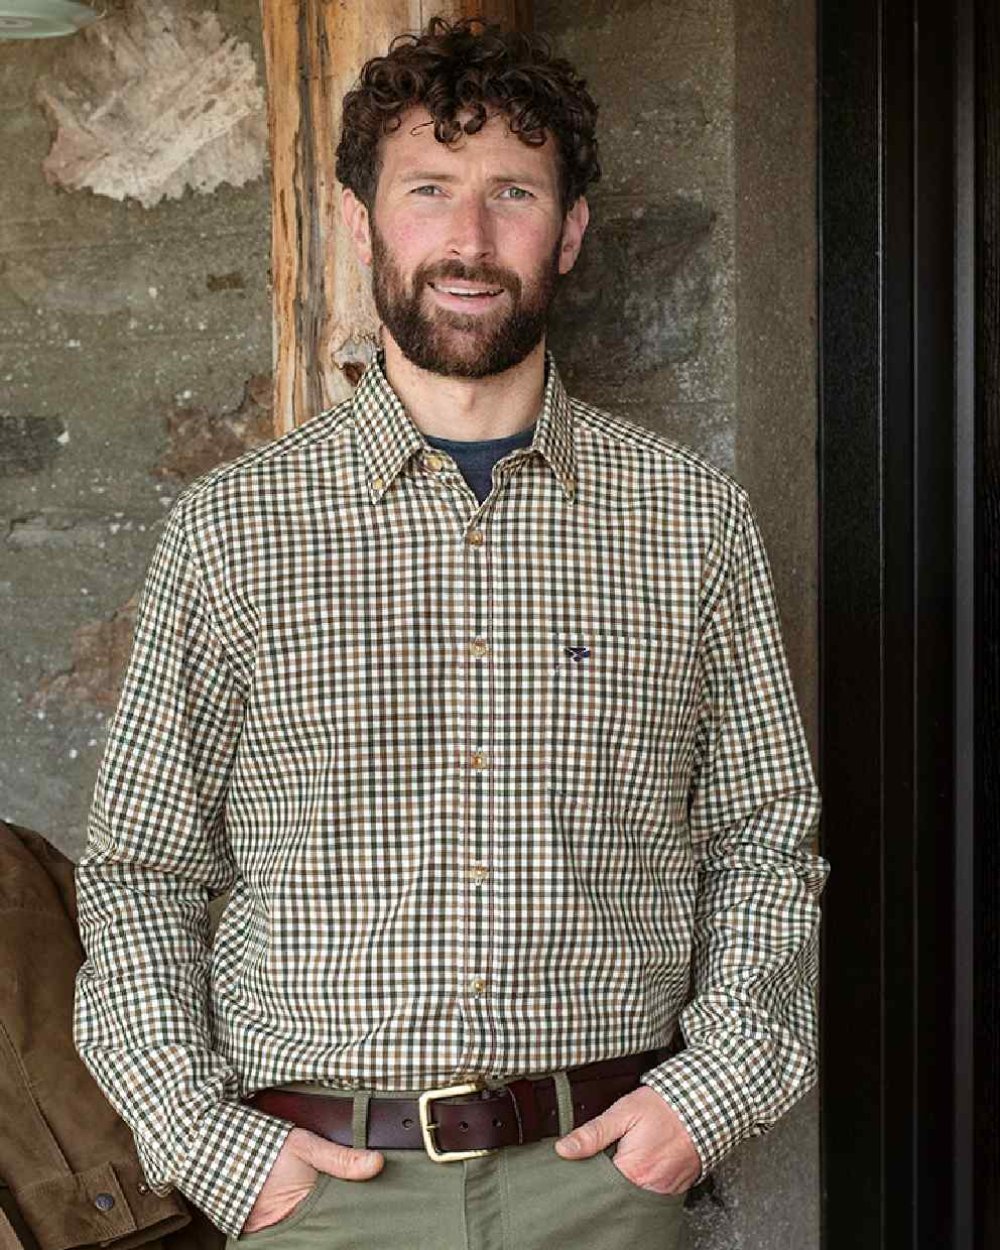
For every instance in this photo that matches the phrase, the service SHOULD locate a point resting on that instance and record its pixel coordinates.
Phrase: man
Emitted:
(474, 695)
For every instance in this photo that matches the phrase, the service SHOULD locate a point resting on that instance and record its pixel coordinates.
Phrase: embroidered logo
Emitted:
(576, 654)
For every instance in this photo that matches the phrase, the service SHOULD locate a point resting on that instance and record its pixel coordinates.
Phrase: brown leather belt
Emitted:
(456, 1121)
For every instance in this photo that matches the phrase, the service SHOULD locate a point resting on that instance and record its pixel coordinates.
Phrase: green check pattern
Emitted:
(497, 789)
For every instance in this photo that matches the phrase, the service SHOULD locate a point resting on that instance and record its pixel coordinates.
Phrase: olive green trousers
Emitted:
(517, 1198)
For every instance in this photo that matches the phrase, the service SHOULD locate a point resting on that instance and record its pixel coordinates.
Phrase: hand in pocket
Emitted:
(296, 1170)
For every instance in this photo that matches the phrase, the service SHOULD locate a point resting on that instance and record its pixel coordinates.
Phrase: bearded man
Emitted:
(473, 696)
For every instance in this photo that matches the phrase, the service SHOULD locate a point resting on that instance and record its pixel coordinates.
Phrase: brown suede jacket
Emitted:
(69, 1174)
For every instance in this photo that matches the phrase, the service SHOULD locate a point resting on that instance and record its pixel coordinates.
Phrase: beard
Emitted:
(455, 344)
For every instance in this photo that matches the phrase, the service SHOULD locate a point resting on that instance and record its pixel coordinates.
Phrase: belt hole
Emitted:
(498, 1123)
(407, 1123)
(463, 1126)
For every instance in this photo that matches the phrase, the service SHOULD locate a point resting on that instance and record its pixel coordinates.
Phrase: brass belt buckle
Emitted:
(427, 1125)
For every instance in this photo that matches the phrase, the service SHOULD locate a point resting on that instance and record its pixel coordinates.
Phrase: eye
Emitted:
(517, 193)
(428, 188)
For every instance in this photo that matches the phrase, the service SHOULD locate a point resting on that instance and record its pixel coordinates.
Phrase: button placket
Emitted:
(479, 763)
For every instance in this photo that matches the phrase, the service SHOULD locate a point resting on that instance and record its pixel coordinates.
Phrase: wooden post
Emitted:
(324, 319)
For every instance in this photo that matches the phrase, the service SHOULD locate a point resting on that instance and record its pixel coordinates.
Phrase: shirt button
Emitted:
(433, 462)
(104, 1202)
(475, 538)
(479, 646)
(478, 760)
(479, 873)
(478, 986)
(142, 1188)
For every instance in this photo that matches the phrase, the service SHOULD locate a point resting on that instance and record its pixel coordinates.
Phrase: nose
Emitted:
(472, 230)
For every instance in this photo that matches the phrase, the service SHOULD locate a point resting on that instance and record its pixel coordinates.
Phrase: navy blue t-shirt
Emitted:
(476, 459)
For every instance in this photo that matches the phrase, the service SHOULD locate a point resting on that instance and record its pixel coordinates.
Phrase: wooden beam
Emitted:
(325, 324)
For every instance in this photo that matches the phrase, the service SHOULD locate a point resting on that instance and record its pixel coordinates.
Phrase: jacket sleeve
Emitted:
(750, 1024)
(156, 854)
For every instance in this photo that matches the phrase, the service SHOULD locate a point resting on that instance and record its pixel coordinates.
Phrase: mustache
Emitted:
(487, 275)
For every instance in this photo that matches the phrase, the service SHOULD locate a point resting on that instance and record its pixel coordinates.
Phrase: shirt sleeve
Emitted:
(156, 854)
(750, 1024)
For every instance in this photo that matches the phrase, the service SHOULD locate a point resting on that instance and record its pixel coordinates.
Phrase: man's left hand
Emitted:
(655, 1151)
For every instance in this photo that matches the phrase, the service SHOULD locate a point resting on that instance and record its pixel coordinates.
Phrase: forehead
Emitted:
(494, 148)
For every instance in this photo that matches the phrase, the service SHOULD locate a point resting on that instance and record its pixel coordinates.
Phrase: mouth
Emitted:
(465, 295)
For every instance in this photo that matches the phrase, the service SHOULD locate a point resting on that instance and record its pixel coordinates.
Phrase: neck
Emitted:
(468, 409)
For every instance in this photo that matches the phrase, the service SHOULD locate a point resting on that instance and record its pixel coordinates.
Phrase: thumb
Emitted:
(338, 1160)
(587, 1139)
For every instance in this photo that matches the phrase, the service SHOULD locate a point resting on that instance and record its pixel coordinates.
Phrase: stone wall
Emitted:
(133, 339)
(135, 349)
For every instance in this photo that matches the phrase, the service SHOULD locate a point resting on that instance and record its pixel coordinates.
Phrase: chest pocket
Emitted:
(612, 703)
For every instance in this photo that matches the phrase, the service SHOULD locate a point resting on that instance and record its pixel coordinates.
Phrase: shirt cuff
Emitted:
(709, 1096)
(229, 1161)
(106, 1205)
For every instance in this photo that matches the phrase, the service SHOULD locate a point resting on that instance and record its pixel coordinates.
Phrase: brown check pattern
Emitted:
(497, 789)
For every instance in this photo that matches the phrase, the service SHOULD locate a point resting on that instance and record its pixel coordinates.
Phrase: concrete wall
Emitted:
(125, 334)
(135, 344)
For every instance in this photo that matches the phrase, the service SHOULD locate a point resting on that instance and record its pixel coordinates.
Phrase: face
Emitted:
(466, 245)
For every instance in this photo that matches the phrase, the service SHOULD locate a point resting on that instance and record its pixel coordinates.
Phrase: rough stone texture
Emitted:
(151, 100)
(30, 444)
(99, 656)
(645, 322)
(198, 440)
(776, 302)
(113, 318)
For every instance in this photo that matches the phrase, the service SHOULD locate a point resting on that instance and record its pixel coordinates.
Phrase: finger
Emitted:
(329, 1156)
(588, 1138)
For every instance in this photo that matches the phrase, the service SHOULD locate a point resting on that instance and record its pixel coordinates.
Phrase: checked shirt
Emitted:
(496, 788)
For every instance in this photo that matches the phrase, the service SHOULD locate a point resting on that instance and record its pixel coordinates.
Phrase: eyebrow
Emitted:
(431, 176)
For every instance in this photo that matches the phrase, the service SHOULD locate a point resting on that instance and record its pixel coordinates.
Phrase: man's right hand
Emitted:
(296, 1169)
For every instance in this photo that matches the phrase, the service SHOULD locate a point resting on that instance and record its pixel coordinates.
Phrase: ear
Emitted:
(355, 217)
(574, 227)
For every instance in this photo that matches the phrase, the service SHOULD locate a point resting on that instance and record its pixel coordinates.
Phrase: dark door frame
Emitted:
(910, 588)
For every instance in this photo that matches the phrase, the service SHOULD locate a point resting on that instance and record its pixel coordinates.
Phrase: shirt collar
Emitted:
(389, 438)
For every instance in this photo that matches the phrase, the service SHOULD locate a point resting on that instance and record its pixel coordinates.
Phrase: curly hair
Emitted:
(470, 65)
